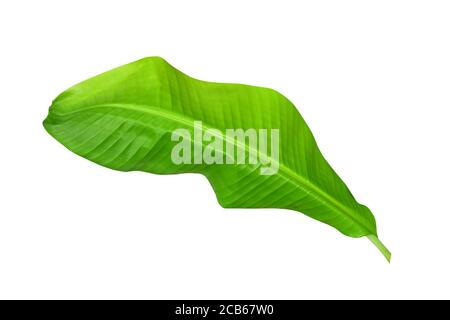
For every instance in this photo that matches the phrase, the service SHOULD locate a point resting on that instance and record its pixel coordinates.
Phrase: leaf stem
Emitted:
(386, 253)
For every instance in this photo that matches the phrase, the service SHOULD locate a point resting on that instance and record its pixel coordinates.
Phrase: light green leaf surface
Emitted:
(123, 119)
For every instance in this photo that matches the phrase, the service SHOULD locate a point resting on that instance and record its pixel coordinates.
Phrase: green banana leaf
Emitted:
(124, 119)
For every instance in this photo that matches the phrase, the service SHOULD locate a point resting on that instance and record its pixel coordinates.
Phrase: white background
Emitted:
(372, 80)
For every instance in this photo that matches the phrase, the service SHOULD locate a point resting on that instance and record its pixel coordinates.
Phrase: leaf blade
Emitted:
(122, 119)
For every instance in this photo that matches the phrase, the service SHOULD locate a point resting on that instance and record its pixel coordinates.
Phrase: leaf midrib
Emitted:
(289, 175)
